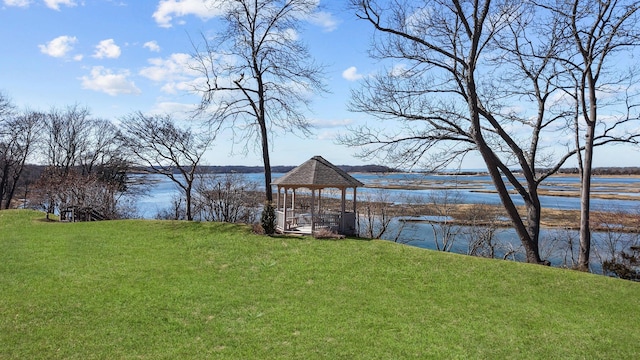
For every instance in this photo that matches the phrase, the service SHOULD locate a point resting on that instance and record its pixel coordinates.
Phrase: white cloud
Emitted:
(176, 66)
(55, 4)
(398, 70)
(105, 80)
(175, 71)
(328, 124)
(59, 47)
(168, 9)
(291, 34)
(17, 3)
(351, 74)
(107, 49)
(325, 20)
(51, 4)
(152, 46)
(327, 135)
(178, 110)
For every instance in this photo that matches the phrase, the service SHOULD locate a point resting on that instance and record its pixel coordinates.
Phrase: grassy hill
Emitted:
(177, 290)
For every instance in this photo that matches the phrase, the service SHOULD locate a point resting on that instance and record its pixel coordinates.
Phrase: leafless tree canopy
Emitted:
(485, 76)
(257, 76)
(85, 169)
(162, 147)
(227, 198)
(73, 138)
(19, 133)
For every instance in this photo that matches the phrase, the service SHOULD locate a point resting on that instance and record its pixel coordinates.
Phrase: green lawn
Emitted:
(145, 289)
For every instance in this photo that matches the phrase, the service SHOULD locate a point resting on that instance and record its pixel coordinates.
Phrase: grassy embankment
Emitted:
(178, 290)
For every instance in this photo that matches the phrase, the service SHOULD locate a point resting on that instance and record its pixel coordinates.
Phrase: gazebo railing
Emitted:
(303, 223)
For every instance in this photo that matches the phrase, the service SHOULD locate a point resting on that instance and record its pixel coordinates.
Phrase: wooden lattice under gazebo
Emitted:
(316, 174)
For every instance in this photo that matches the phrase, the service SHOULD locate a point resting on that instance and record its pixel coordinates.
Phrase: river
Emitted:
(471, 189)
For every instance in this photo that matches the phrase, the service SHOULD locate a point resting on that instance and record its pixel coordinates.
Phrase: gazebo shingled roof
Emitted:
(318, 173)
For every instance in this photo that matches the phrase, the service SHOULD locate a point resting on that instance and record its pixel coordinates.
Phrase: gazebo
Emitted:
(316, 174)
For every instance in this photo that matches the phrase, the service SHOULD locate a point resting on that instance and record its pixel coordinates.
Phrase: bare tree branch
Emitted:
(162, 147)
(257, 76)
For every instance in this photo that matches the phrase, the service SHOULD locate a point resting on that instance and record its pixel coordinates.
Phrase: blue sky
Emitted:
(120, 56)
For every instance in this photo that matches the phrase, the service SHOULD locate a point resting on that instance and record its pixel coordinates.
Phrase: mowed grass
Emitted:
(140, 289)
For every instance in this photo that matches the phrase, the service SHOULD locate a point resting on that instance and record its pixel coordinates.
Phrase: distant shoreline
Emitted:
(380, 169)
(376, 169)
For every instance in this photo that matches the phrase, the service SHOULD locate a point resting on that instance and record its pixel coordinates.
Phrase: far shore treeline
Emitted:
(242, 169)
(35, 170)
(227, 169)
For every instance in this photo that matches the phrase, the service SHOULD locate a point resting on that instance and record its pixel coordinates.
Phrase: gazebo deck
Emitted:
(303, 224)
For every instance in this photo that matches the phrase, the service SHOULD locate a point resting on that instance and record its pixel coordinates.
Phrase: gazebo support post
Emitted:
(284, 226)
(342, 209)
(293, 202)
(313, 216)
(354, 200)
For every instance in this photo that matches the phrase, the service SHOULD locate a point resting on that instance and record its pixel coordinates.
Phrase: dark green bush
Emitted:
(268, 219)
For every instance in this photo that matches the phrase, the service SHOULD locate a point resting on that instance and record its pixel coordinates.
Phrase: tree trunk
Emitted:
(530, 243)
(264, 132)
(10, 192)
(187, 195)
(585, 190)
(585, 201)
(4, 185)
(266, 161)
(533, 225)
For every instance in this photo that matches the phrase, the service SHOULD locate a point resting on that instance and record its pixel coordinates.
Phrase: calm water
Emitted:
(469, 190)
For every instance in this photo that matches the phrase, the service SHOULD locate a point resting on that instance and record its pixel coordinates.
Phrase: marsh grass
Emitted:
(179, 290)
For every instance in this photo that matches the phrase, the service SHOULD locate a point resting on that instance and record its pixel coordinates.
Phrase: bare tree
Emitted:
(481, 230)
(6, 107)
(493, 77)
(162, 147)
(67, 137)
(101, 155)
(375, 214)
(625, 266)
(76, 196)
(75, 139)
(227, 198)
(78, 147)
(18, 135)
(445, 230)
(8, 150)
(614, 238)
(258, 73)
(595, 33)
(174, 211)
(441, 89)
